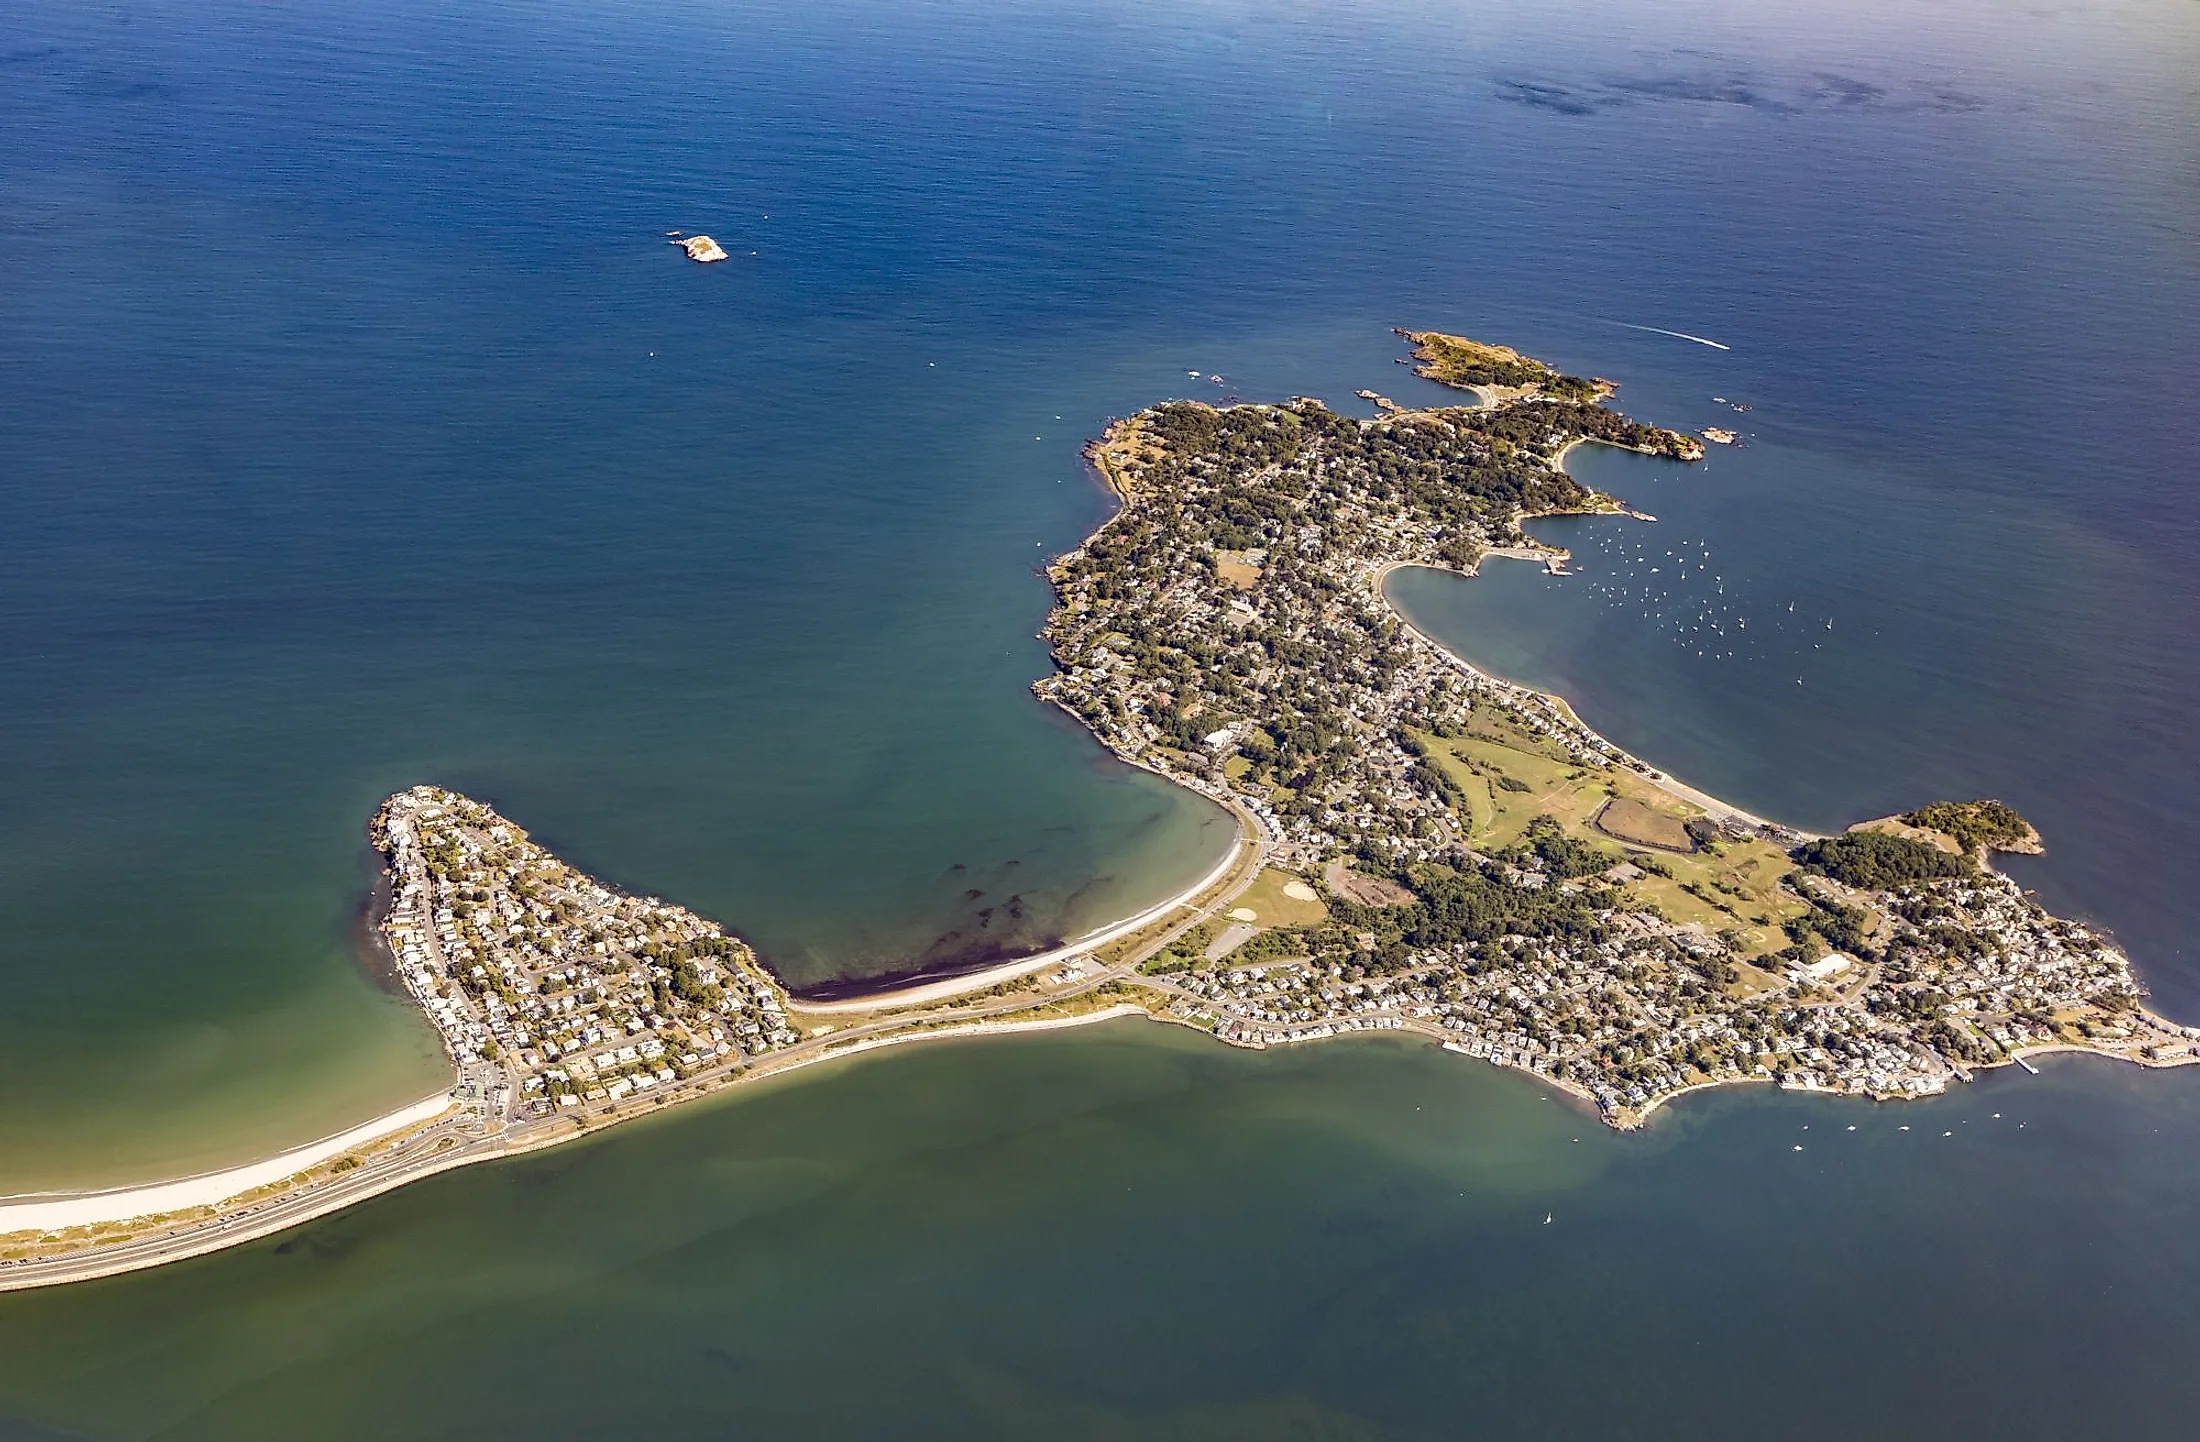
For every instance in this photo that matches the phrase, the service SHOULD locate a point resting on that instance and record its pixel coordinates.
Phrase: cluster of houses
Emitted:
(1227, 629)
(1627, 1022)
(580, 993)
(1191, 659)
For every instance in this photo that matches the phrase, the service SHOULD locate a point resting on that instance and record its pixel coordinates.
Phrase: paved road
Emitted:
(438, 1144)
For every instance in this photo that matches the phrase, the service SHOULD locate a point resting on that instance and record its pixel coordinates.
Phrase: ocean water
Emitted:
(358, 428)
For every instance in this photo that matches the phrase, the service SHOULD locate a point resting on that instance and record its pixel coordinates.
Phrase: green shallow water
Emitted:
(1133, 1232)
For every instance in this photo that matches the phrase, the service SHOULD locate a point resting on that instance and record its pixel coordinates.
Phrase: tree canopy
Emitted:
(1877, 861)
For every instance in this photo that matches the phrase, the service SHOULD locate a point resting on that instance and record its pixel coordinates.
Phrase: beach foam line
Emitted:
(50, 1212)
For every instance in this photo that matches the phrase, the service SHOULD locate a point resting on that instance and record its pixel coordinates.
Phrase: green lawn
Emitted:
(1270, 907)
(1741, 879)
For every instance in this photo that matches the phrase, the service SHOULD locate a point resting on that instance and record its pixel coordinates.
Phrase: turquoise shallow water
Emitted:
(359, 428)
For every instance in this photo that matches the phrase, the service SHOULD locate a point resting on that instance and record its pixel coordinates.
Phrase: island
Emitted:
(1423, 848)
(1496, 374)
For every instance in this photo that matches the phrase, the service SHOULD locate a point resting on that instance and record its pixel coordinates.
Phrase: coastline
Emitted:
(2018, 1058)
(171, 1221)
(1558, 462)
(926, 993)
(311, 1206)
(441, 1141)
(964, 1030)
(284, 1213)
(2034, 962)
(61, 1211)
(1711, 805)
(150, 1202)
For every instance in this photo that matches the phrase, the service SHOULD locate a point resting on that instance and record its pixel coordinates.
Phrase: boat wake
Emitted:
(1676, 334)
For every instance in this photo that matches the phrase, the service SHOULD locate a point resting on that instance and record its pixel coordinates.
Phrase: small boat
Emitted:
(674, 234)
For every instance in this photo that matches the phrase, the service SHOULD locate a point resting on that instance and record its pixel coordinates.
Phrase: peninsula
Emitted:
(1423, 848)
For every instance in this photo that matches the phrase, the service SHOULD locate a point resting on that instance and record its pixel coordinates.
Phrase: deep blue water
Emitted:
(357, 427)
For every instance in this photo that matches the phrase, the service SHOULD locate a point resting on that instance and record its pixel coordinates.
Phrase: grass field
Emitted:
(1510, 777)
(1270, 906)
(1235, 569)
(1896, 826)
(1626, 819)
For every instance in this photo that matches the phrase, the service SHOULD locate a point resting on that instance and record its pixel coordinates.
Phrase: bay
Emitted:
(358, 428)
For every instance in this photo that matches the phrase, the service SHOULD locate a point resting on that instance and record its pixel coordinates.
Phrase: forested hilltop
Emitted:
(1473, 862)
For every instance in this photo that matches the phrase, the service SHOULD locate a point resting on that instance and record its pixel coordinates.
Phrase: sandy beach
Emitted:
(53, 1212)
(954, 986)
